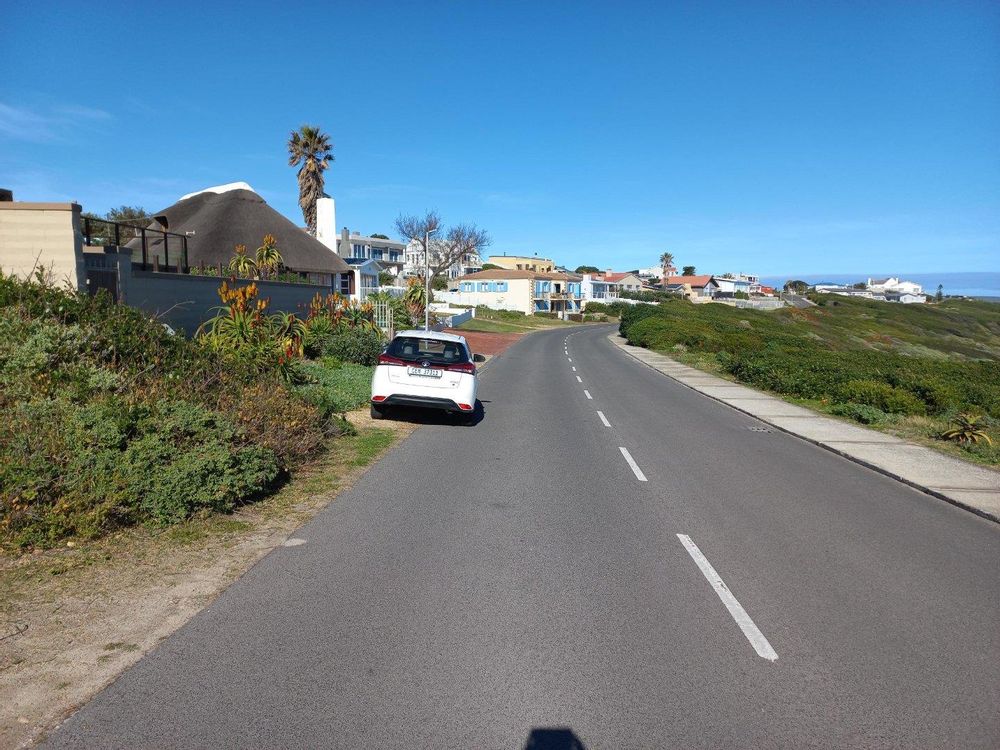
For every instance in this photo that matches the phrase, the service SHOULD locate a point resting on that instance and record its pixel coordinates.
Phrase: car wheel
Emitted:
(377, 412)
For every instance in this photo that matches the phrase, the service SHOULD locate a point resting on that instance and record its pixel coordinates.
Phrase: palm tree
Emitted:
(312, 148)
(666, 263)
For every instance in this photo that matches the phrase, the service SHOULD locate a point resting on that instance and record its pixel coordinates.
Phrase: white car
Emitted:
(426, 369)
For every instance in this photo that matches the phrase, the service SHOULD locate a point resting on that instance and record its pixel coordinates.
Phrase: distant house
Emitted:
(597, 287)
(627, 282)
(525, 291)
(894, 285)
(846, 291)
(388, 254)
(522, 263)
(905, 298)
(414, 260)
(698, 286)
(730, 285)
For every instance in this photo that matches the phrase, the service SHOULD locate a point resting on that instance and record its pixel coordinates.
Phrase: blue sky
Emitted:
(755, 136)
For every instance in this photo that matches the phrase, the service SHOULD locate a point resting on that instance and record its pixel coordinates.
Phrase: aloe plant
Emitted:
(967, 429)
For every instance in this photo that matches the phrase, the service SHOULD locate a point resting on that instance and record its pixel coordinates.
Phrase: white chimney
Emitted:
(326, 222)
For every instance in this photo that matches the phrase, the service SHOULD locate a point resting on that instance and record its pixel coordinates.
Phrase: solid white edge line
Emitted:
(604, 419)
(631, 462)
(750, 630)
(587, 393)
(579, 379)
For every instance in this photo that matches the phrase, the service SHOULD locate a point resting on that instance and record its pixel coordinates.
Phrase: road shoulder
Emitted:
(74, 618)
(968, 486)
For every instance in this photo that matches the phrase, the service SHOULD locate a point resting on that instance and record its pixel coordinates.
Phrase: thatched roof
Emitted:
(220, 221)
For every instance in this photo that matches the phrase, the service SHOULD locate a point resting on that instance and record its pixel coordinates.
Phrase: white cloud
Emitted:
(44, 126)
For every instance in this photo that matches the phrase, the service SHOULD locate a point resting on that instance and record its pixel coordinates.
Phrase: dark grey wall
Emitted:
(185, 302)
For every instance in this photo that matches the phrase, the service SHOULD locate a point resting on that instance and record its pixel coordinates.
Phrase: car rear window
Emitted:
(412, 348)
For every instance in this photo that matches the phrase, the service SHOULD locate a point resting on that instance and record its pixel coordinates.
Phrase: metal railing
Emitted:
(100, 232)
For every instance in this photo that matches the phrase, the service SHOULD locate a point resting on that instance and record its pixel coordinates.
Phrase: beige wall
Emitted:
(517, 297)
(44, 235)
(522, 263)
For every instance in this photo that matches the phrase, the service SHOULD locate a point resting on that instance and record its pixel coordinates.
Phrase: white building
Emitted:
(894, 285)
(598, 288)
(413, 260)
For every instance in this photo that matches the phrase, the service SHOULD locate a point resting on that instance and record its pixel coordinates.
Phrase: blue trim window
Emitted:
(467, 286)
(502, 286)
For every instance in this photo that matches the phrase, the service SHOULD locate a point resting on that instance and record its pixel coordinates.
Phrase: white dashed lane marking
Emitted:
(632, 464)
(750, 630)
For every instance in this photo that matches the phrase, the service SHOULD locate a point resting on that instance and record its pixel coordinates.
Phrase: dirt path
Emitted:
(74, 618)
(483, 342)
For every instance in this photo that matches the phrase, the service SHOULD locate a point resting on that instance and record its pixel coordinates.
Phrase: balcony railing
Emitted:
(100, 232)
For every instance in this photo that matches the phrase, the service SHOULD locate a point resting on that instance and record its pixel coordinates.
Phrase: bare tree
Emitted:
(445, 250)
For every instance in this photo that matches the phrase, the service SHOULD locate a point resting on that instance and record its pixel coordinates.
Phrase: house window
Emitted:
(502, 286)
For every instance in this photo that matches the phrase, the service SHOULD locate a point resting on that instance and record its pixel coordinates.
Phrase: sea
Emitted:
(983, 285)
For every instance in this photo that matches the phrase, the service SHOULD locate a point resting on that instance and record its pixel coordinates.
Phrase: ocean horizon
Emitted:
(968, 284)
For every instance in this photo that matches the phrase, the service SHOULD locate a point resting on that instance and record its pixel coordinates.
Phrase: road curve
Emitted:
(607, 556)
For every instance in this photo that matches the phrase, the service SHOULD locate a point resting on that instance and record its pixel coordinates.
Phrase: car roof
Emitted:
(439, 335)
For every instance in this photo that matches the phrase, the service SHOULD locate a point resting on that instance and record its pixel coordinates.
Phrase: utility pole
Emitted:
(427, 278)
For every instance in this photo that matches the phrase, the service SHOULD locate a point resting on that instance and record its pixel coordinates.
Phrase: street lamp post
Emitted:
(427, 278)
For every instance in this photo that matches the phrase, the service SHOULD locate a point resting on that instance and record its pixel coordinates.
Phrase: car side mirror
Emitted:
(478, 358)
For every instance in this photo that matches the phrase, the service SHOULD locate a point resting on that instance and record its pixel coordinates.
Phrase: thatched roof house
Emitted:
(219, 218)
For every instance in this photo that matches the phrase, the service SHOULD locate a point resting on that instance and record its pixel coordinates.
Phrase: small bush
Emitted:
(291, 428)
(881, 396)
(860, 413)
(360, 346)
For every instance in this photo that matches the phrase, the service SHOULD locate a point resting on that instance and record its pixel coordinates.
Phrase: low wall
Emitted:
(185, 302)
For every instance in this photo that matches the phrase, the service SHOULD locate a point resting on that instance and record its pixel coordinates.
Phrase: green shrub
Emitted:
(545, 314)
(334, 387)
(881, 396)
(109, 420)
(360, 346)
(74, 469)
(488, 313)
(860, 413)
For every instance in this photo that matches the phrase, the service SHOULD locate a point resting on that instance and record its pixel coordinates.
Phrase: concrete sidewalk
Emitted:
(969, 486)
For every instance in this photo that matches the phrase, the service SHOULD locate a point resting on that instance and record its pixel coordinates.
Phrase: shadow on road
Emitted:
(557, 738)
(434, 416)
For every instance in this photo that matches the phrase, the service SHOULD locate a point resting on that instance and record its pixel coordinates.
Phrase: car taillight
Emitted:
(465, 367)
(388, 359)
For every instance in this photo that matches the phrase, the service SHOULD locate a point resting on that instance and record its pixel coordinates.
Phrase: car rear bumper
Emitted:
(424, 402)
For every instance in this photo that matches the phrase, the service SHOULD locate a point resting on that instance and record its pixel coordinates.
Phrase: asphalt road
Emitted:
(515, 584)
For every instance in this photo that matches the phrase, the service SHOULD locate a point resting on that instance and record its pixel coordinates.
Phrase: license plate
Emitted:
(424, 372)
